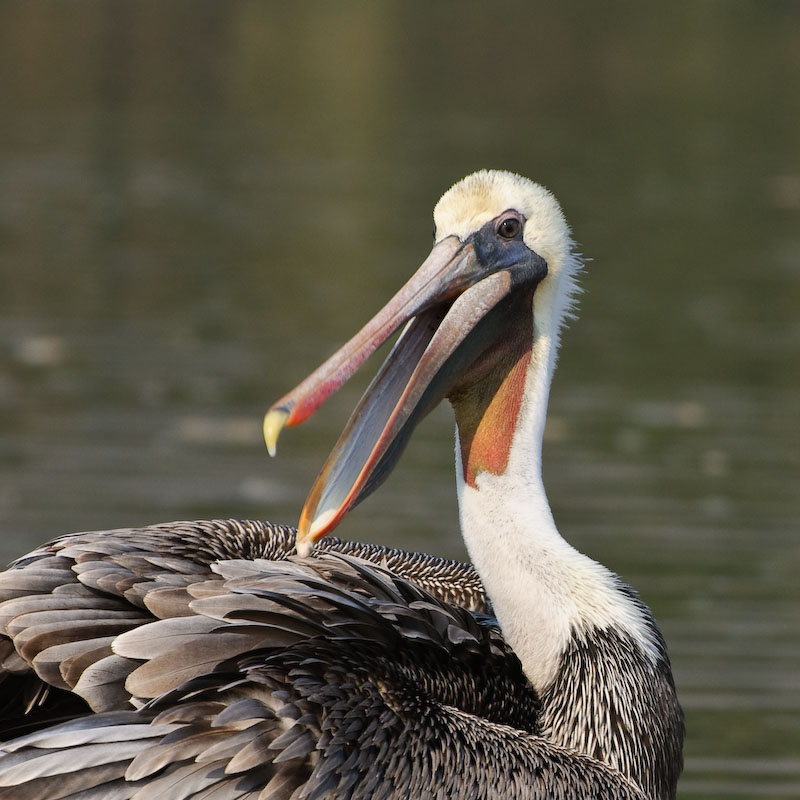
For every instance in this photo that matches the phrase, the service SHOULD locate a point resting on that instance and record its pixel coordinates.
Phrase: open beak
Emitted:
(445, 307)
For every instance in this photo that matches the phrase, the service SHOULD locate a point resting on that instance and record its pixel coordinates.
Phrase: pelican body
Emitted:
(232, 660)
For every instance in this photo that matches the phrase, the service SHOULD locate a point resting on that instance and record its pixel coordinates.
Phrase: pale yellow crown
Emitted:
(480, 197)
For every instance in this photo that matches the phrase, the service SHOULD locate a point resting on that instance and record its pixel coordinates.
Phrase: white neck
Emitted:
(544, 592)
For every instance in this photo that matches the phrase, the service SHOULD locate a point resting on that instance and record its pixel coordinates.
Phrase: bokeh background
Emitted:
(200, 200)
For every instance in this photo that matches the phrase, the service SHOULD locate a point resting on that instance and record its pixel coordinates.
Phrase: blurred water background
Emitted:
(199, 201)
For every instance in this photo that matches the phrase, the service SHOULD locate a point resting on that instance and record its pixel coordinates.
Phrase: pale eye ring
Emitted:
(509, 228)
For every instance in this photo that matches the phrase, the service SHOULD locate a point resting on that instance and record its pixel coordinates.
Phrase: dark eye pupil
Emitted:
(509, 228)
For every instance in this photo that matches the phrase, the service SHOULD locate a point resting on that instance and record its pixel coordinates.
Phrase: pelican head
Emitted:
(494, 288)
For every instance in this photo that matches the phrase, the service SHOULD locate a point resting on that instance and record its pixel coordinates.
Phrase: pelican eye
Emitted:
(509, 228)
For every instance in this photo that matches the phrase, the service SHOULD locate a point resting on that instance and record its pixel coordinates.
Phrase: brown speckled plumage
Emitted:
(362, 672)
(203, 660)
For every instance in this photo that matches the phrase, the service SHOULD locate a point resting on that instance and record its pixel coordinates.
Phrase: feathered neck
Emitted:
(558, 608)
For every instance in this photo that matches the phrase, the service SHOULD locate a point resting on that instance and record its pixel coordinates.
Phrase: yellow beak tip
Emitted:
(274, 422)
(311, 531)
(304, 547)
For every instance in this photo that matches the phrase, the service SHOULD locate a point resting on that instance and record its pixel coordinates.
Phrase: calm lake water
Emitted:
(200, 201)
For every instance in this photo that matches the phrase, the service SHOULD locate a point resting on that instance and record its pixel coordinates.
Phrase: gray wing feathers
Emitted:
(311, 678)
(66, 603)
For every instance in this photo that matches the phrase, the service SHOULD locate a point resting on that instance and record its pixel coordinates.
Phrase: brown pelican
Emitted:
(204, 660)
